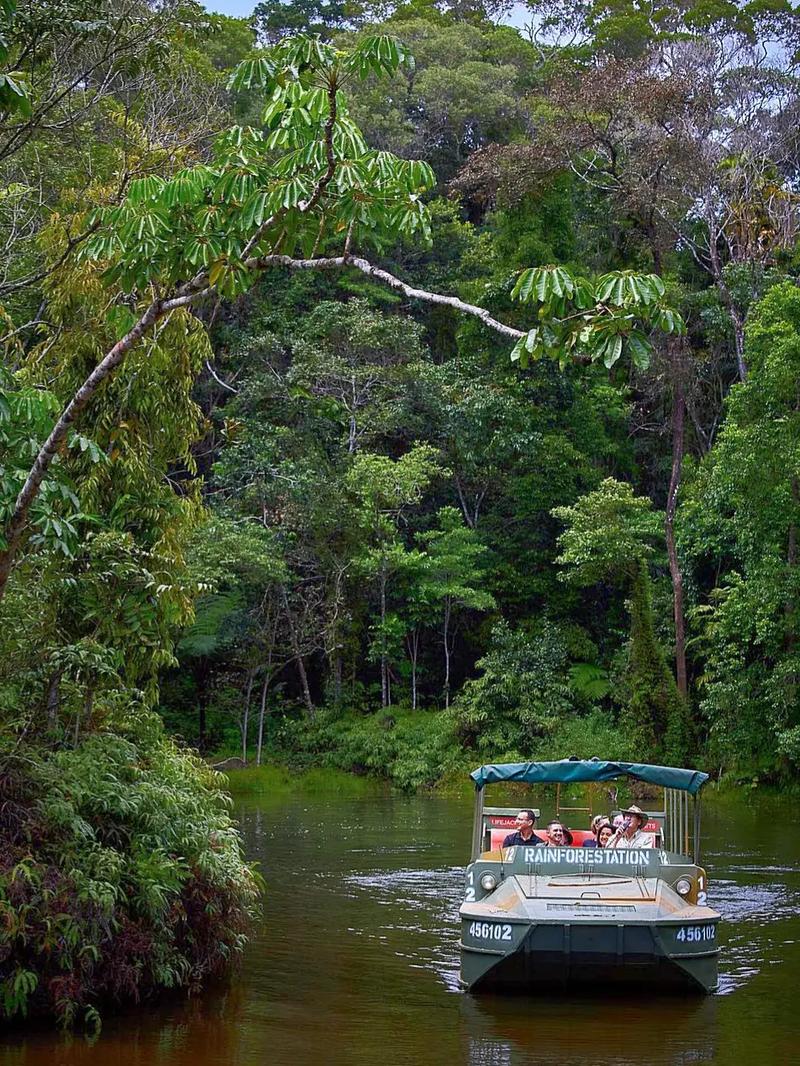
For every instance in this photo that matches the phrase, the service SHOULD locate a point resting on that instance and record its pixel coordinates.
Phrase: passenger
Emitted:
(605, 834)
(631, 835)
(598, 822)
(524, 834)
(558, 835)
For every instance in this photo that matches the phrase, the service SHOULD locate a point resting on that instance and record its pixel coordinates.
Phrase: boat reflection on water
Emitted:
(651, 1031)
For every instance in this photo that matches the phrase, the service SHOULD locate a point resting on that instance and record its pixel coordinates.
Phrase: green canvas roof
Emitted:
(568, 771)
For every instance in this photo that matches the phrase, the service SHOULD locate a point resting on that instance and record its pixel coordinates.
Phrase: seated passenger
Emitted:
(524, 834)
(558, 835)
(630, 835)
(598, 822)
(604, 835)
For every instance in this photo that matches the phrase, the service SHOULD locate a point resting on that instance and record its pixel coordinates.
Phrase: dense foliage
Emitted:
(383, 388)
(121, 875)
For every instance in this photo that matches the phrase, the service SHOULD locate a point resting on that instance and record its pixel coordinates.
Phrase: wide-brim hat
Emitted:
(633, 809)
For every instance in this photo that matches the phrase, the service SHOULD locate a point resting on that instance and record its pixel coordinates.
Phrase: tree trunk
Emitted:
(297, 654)
(385, 697)
(301, 673)
(446, 633)
(201, 678)
(412, 643)
(676, 574)
(30, 490)
(738, 333)
(261, 713)
(336, 673)
(251, 676)
(737, 320)
(789, 610)
(53, 701)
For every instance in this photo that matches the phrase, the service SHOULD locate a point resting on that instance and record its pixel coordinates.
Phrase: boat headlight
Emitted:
(488, 882)
(683, 887)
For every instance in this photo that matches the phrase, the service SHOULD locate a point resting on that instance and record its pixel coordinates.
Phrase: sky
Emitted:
(245, 7)
(231, 7)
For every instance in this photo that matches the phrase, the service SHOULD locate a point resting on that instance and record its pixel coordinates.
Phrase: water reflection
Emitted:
(666, 1031)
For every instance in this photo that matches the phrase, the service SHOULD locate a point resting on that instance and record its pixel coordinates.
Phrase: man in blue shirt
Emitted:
(524, 834)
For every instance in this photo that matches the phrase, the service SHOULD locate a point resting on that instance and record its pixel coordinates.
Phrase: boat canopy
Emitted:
(568, 771)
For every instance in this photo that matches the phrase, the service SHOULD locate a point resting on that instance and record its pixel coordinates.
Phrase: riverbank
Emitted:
(280, 779)
(275, 779)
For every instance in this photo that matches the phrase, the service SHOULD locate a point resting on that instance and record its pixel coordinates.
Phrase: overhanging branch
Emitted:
(392, 282)
(187, 294)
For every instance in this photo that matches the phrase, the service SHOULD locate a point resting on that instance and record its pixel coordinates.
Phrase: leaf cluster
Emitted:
(304, 180)
(593, 320)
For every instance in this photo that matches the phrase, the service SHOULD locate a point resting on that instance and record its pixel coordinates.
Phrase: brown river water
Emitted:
(356, 960)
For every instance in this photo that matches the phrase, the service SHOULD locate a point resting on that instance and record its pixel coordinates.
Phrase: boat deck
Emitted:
(573, 897)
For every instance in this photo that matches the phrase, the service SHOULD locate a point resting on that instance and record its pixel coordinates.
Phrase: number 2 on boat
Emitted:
(469, 896)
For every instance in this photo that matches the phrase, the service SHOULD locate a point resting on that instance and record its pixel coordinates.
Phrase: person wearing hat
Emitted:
(630, 834)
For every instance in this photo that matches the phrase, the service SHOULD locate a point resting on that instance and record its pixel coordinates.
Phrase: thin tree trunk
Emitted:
(53, 700)
(789, 611)
(298, 657)
(202, 701)
(412, 643)
(261, 713)
(384, 667)
(737, 320)
(336, 670)
(353, 435)
(676, 574)
(738, 334)
(462, 500)
(301, 671)
(251, 676)
(447, 654)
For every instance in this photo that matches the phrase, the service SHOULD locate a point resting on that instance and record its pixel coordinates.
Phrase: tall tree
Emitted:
(609, 536)
(740, 522)
(454, 572)
(385, 489)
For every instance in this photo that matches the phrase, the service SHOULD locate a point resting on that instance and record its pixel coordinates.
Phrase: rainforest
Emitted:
(386, 388)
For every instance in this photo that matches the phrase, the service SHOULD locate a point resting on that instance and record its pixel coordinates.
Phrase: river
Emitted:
(356, 960)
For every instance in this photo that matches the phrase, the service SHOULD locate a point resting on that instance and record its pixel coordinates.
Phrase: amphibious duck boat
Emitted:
(547, 918)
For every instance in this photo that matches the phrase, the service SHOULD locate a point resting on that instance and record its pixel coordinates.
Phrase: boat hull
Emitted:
(552, 957)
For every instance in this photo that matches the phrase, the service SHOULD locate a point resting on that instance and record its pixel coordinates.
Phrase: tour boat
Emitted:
(547, 918)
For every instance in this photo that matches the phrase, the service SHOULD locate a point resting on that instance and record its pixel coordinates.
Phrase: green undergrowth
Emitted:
(342, 750)
(410, 749)
(281, 780)
(121, 875)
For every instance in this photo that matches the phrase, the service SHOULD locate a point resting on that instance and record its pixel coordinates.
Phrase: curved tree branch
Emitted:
(198, 287)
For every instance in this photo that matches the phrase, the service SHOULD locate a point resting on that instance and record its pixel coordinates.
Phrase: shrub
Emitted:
(521, 696)
(413, 749)
(121, 874)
